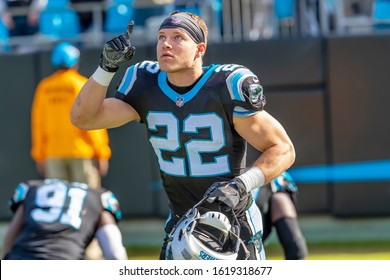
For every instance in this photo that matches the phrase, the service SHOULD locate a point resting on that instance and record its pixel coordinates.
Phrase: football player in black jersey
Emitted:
(277, 202)
(57, 220)
(199, 120)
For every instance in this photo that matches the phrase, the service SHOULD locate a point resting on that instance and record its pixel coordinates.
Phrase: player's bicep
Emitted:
(106, 218)
(261, 130)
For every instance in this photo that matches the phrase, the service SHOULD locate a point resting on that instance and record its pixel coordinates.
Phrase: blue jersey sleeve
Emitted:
(246, 91)
(284, 183)
(133, 74)
(111, 204)
(19, 196)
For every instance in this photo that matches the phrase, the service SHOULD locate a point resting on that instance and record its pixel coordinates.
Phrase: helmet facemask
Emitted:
(208, 236)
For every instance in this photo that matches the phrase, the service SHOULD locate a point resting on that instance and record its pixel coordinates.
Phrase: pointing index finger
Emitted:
(129, 29)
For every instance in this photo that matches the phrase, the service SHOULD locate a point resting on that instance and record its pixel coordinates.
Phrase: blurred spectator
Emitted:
(6, 22)
(310, 18)
(354, 16)
(56, 220)
(60, 149)
(358, 7)
(26, 24)
(86, 17)
(5, 15)
(328, 16)
(262, 20)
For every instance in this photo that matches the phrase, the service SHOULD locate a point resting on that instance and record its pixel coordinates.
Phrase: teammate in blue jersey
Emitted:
(277, 202)
(57, 220)
(199, 120)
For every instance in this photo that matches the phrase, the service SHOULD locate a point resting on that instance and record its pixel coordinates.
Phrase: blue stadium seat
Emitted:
(382, 9)
(118, 15)
(59, 21)
(381, 12)
(57, 3)
(284, 9)
(4, 37)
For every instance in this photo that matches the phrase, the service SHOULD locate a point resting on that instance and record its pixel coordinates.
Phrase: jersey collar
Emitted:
(181, 99)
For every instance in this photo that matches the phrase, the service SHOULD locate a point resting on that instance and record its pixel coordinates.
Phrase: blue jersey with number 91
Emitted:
(60, 218)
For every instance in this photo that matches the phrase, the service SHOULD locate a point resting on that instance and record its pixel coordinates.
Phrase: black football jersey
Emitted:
(192, 134)
(60, 219)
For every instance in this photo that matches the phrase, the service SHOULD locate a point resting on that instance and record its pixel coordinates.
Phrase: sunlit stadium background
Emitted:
(330, 90)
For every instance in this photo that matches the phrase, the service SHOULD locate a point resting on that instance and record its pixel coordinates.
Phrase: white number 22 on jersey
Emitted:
(194, 148)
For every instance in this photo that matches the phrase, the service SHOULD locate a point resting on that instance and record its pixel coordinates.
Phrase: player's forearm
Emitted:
(88, 104)
(275, 160)
(13, 230)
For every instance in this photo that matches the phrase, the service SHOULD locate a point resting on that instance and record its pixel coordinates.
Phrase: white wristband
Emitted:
(103, 77)
(252, 179)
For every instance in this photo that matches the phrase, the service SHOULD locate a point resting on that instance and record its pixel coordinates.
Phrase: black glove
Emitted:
(117, 51)
(227, 193)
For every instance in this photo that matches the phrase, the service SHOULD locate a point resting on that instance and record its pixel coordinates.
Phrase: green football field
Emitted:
(328, 238)
(373, 250)
(339, 251)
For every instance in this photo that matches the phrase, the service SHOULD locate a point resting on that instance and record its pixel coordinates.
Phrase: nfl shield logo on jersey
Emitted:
(180, 101)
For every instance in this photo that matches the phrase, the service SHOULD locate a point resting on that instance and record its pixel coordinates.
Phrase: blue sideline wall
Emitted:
(330, 94)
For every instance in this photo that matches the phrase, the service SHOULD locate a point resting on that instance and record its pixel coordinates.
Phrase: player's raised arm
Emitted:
(91, 109)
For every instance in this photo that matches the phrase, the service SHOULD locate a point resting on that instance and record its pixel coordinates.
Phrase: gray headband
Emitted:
(186, 23)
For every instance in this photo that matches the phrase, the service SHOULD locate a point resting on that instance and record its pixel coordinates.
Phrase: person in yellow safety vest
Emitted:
(60, 149)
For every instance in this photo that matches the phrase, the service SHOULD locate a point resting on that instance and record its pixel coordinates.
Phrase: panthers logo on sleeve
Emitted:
(18, 197)
(111, 204)
(244, 87)
(254, 91)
